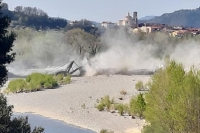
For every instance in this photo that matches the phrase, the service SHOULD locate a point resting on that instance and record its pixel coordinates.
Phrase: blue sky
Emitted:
(104, 10)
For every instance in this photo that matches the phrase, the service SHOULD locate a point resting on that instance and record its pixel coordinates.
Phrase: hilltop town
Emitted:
(131, 22)
(39, 20)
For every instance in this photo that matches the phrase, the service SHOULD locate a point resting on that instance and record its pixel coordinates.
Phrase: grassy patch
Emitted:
(33, 82)
(63, 80)
(17, 85)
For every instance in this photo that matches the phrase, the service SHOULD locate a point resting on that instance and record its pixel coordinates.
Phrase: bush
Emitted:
(17, 85)
(38, 81)
(48, 79)
(34, 86)
(137, 106)
(15, 125)
(133, 104)
(100, 107)
(172, 101)
(105, 102)
(120, 109)
(59, 78)
(67, 79)
(139, 86)
(48, 85)
(33, 82)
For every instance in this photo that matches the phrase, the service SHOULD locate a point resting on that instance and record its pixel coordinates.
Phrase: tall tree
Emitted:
(173, 101)
(6, 43)
(7, 125)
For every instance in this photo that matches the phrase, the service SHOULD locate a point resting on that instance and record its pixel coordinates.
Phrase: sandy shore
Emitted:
(65, 103)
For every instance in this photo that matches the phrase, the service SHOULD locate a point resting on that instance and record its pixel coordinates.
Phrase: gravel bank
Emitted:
(65, 103)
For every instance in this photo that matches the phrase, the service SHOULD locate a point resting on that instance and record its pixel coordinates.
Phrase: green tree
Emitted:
(138, 105)
(17, 125)
(173, 100)
(6, 44)
(83, 42)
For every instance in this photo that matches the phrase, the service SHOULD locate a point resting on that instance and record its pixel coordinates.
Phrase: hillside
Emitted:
(38, 19)
(34, 18)
(186, 18)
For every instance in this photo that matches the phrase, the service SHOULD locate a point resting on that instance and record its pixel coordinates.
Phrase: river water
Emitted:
(51, 125)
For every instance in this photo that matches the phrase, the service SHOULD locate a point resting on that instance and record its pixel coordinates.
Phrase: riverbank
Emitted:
(75, 103)
(51, 125)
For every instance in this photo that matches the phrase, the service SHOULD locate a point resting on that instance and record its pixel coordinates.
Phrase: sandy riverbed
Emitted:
(65, 103)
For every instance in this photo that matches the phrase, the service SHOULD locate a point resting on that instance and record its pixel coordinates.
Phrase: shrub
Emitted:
(100, 107)
(35, 77)
(48, 85)
(133, 104)
(173, 100)
(34, 86)
(122, 108)
(59, 78)
(105, 102)
(33, 82)
(48, 79)
(137, 106)
(17, 85)
(139, 86)
(67, 79)
(38, 81)
(15, 125)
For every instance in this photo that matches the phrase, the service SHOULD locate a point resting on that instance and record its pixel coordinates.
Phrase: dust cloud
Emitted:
(120, 51)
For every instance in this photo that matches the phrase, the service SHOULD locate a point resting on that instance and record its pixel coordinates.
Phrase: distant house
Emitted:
(194, 31)
(108, 25)
(180, 33)
(145, 29)
(178, 28)
(150, 29)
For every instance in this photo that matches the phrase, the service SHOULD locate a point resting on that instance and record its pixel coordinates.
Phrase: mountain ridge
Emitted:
(183, 17)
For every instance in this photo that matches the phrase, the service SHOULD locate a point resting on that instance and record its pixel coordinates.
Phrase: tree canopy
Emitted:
(173, 100)
(6, 44)
(8, 125)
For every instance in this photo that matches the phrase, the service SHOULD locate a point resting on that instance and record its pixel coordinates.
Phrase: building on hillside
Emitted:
(150, 29)
(108, 25)
(179, 33)
(194, 31)
(145, 29)
(129, 21)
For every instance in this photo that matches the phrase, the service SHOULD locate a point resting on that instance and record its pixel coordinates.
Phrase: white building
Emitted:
(108, 25)
(129, 21)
